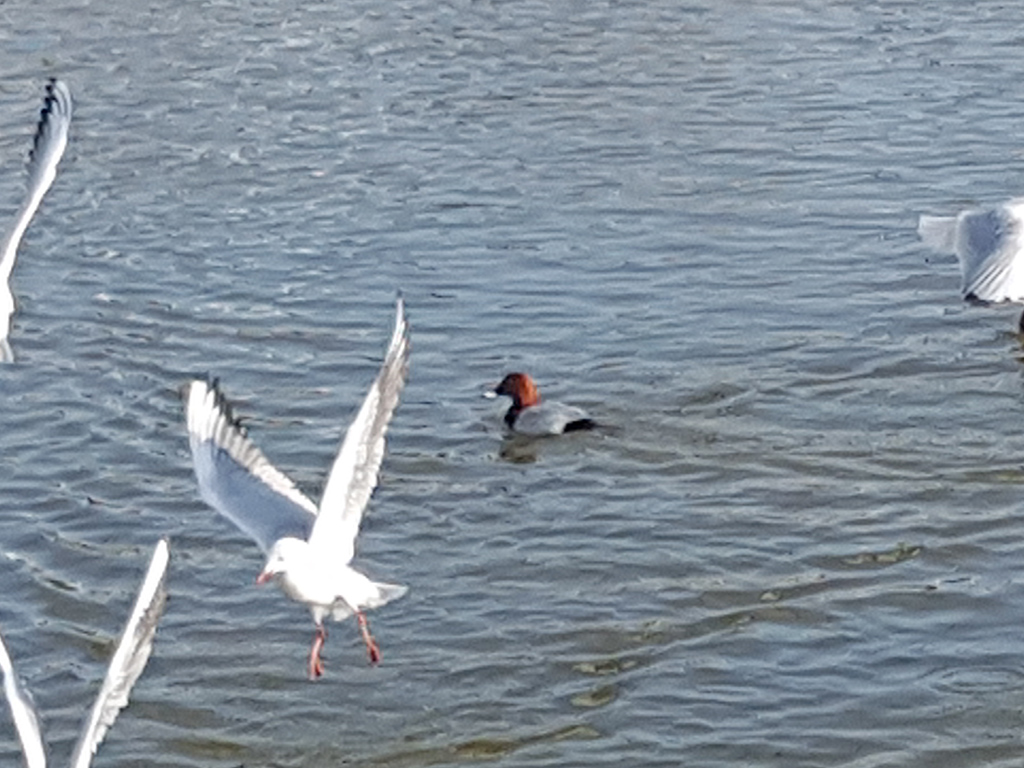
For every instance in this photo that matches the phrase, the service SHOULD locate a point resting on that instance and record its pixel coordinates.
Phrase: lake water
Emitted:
(799, 542)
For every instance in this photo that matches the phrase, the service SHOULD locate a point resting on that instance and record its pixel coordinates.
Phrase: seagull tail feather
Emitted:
(386, 593)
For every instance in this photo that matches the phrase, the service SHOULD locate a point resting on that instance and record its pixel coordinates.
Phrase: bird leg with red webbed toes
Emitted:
(316, 663)
(372, 649)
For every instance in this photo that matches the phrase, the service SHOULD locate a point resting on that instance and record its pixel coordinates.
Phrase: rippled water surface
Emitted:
(799, 540)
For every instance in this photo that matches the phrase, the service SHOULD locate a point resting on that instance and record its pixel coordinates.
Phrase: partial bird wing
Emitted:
(129, 659)
(988, 244)
(235, 477)
(354, 473)
(50, 140)
(23, 712)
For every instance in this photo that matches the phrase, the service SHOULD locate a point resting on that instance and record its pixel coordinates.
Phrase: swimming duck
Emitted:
(529, 416)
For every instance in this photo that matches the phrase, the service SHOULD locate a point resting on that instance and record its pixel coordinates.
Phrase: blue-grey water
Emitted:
(800, 540)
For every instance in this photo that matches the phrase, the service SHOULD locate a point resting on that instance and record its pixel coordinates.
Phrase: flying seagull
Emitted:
(308, 548)
(47, 148)
(129, 660)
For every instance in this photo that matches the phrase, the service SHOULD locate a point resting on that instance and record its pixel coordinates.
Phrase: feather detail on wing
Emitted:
(989, 249)
(235, 477)
(989, 246)
(23, 712)
(50, 140)
(130, 658)
(354, 474)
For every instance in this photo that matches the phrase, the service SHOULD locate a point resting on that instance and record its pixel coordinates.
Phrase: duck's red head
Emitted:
(520, 387)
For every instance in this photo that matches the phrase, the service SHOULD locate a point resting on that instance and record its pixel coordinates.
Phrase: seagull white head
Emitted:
(282, 554)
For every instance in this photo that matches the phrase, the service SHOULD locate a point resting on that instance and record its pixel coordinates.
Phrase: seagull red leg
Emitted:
(316, 666)
(371, 645)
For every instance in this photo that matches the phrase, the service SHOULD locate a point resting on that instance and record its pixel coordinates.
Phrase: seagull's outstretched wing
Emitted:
(48, 146)
(23, 712)
(50, 140)
(989, 245)
(989, 248)
(129, 659)
(354, 473)
(235, 477)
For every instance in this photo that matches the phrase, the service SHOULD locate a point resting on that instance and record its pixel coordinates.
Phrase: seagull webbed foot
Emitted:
(316, 665)
(372, 649)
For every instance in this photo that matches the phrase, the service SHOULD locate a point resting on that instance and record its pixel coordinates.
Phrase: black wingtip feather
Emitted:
(44, 116)
(224, 405)
(220, 401)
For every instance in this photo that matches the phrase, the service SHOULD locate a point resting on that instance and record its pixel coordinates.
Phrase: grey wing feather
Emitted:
(353, 475)
(987, 249)
(51, 135)
(50, 140)
(23, 712)
(988, 243)
(235, 477)
(130, 658)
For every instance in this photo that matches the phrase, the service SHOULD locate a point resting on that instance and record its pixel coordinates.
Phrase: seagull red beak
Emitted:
(264, 577)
